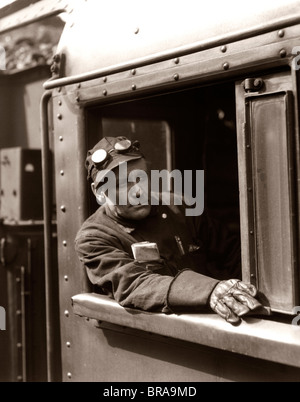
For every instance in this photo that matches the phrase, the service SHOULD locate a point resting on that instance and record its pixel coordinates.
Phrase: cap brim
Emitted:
(114, 163)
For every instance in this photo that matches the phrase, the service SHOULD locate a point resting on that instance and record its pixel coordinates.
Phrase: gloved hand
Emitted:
(232, 299)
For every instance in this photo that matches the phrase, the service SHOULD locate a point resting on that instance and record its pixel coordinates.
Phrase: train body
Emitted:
(211, 87)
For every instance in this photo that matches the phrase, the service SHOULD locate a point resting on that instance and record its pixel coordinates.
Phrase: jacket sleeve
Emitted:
(131, 284)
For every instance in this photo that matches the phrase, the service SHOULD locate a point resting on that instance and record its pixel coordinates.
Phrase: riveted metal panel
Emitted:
(267, 50)
(70, 179)
(135, 30)
(244, 56)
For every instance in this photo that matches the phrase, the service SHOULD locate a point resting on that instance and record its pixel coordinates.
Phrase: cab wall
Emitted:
(114, 353)
(99, 354)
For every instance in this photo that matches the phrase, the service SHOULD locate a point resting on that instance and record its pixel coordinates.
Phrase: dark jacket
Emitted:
(195, 252)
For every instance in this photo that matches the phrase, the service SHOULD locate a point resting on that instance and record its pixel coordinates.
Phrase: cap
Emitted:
(109, 153)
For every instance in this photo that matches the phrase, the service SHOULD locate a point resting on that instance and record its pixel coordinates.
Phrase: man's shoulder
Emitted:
(92, 224)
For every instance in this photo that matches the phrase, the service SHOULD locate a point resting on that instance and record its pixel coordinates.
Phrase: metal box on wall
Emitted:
(22, 294)
(21, 184)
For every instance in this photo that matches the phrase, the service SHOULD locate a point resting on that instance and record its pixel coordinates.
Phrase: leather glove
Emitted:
(232, 299)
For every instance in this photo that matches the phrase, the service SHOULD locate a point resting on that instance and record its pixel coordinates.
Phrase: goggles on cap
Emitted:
(124, 146)
(101, 156)
(110, 154)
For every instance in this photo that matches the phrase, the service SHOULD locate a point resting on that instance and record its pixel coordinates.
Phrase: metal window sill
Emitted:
(255, 337)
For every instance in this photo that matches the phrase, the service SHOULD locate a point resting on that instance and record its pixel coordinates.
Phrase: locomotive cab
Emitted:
(200, 91)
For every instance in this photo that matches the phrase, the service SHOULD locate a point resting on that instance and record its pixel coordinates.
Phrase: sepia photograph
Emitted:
(149, 194)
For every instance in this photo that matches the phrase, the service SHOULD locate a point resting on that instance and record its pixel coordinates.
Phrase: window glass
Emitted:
(154, 136)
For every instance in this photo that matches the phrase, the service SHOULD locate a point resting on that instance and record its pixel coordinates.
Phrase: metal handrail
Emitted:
(47, 208)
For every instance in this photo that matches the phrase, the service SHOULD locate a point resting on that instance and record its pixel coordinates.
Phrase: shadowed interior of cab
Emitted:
(187, 130)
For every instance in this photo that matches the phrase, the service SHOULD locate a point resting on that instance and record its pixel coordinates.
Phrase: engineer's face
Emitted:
(132, 191)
